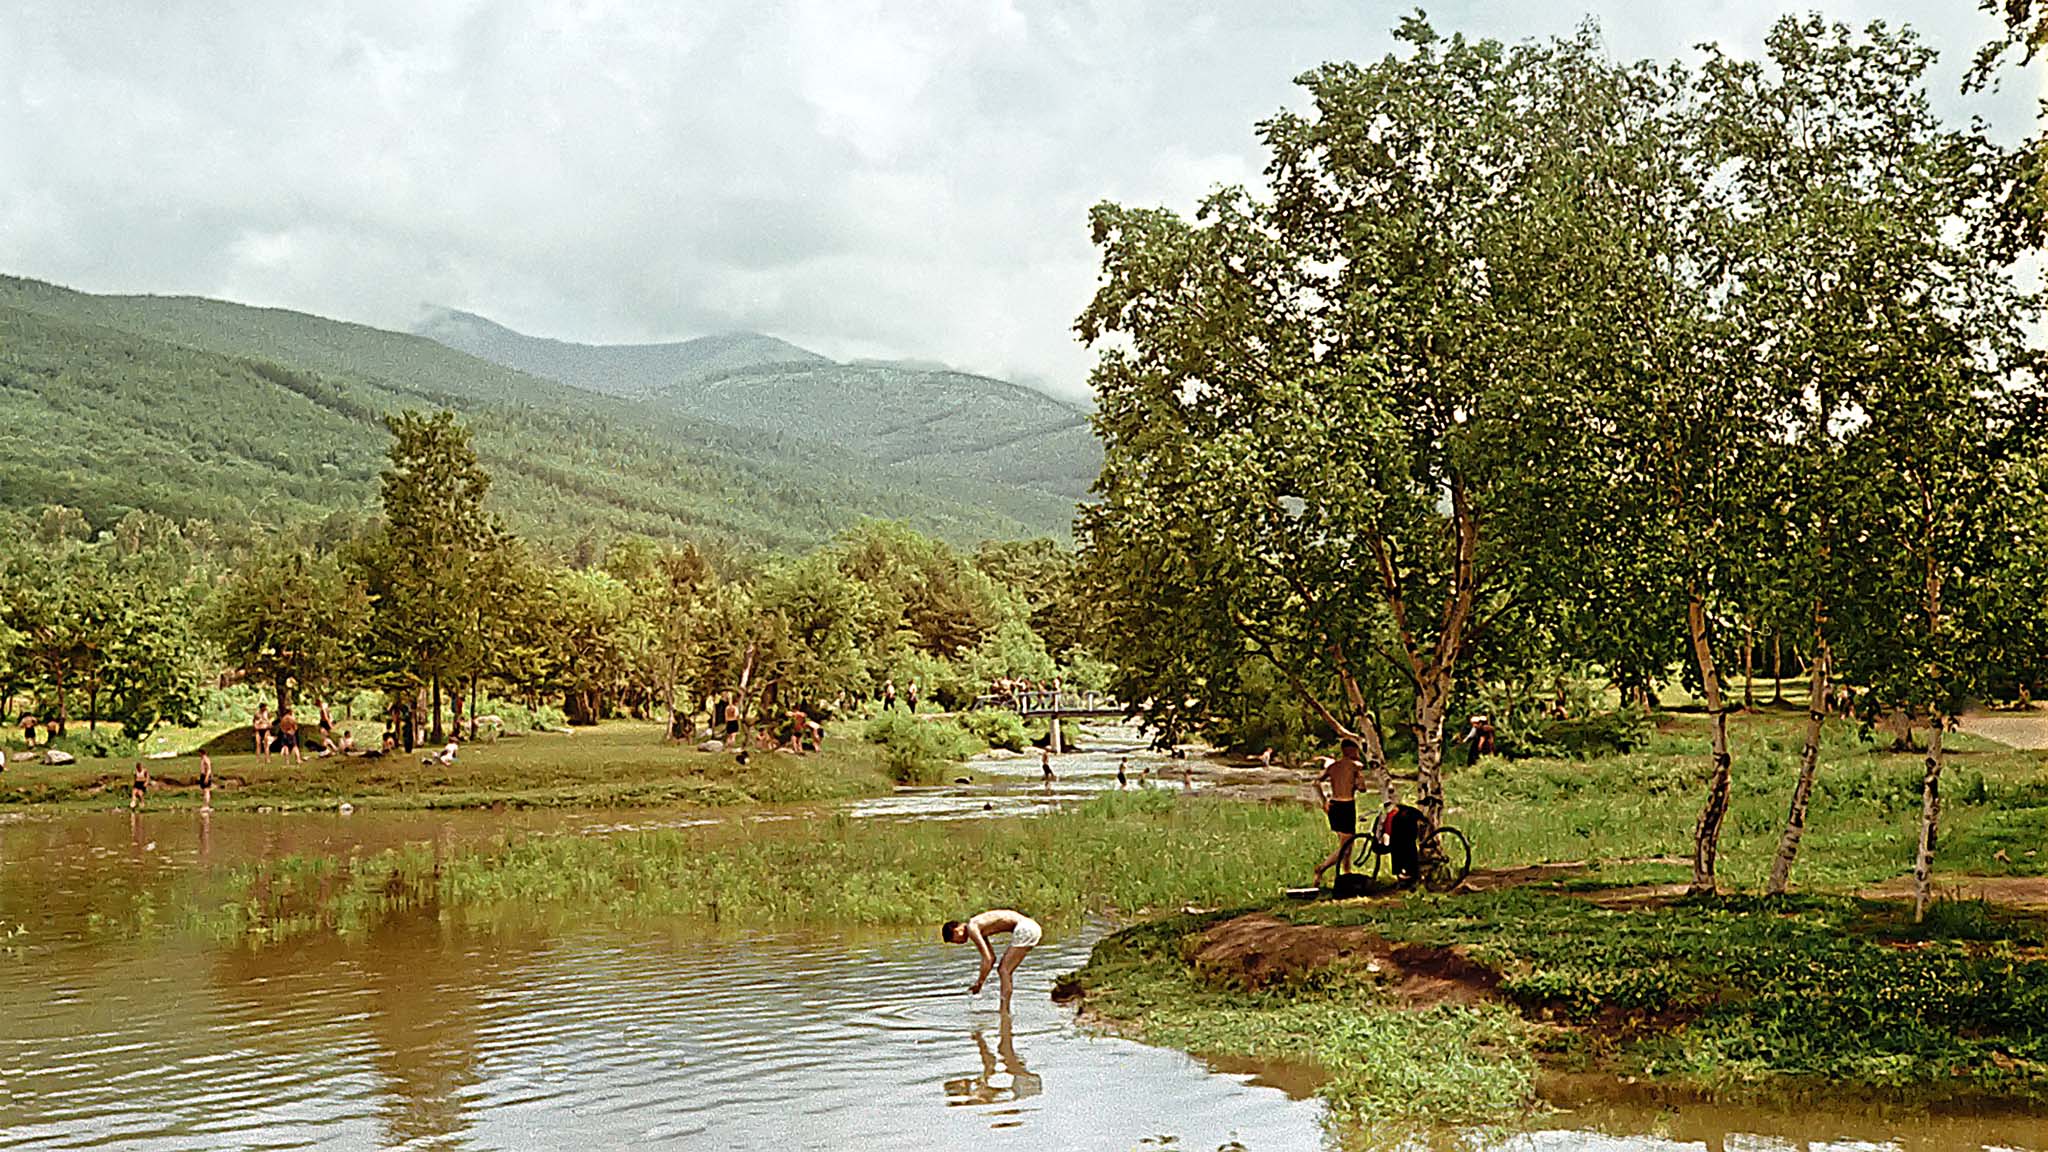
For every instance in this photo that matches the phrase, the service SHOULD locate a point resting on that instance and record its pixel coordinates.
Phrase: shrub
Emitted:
(919, 751)
(997, 728)
(89, 745)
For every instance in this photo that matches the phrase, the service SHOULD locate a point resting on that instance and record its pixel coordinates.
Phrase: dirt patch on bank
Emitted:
(2027, 892)
(1258, 950)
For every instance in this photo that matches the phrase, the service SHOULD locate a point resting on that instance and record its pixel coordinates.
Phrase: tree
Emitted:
(670, 587)
(1345, 425)
(426, 570)
(291, 619)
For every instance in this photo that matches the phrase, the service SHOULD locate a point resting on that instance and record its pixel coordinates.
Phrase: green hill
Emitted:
(199, 408)
(939, 428)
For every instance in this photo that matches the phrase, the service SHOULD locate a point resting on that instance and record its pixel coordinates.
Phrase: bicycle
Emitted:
(1443, 854)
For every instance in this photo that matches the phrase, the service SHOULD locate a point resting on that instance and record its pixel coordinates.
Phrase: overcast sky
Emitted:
(865, 179)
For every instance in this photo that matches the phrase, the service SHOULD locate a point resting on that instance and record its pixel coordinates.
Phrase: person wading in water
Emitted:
(1024, 936)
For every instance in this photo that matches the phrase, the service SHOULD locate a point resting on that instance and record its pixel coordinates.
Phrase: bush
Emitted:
(997, 728)
(89, 745)
(919, 751)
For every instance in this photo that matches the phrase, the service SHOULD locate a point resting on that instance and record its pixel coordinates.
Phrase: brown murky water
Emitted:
(427, 1035)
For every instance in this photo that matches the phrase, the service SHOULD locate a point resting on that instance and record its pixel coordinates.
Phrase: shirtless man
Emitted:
(1341, 805)
(1024, 936)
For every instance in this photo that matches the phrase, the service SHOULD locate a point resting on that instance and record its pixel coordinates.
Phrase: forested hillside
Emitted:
(198, 408)
(938, 427)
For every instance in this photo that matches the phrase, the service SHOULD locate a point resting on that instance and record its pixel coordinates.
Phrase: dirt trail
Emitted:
(2028, 892)
(2025, 730)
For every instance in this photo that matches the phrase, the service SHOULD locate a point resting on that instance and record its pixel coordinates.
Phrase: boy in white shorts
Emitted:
(1024, 936)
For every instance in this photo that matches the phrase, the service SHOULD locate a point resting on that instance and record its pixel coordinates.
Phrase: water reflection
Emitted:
(1009, 1083)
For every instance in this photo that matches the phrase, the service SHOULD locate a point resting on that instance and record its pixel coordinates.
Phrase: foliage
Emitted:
(919, 750)
(997, 728)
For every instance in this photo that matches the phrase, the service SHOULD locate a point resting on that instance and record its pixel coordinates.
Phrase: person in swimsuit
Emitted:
(1341, 805)
(1024, 936)
(327, 721)
(1045, 768)
(139, 787)
(1122, 781)
(288, 737)
(732, 720)
(205, 782)
(262, 726)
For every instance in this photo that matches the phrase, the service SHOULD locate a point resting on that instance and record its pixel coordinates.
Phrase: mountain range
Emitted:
(937, 424)
(204, 409)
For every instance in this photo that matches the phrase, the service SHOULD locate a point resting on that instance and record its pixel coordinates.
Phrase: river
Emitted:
(424, 1034)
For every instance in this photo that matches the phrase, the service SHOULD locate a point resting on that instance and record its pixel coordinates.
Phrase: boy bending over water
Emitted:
(1024, 936)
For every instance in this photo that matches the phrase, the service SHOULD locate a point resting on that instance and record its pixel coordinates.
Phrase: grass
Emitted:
(615, 765)
(1727, 996)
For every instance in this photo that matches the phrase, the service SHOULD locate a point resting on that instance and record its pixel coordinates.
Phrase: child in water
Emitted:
(1024, 935)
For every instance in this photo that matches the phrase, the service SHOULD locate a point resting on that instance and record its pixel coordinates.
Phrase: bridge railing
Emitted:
(1040, 703)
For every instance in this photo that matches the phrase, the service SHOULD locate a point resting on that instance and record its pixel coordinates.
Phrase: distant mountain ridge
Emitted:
(937, 425)
(613, 369)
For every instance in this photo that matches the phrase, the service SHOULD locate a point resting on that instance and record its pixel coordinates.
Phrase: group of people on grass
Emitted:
(281, 735)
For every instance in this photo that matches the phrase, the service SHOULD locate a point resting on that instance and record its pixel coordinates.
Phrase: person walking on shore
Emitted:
(1122, 781)
(138, 788)
(1340, 806)
(261, 724)
(889, 696)
(1024, 934)
(1045, 768)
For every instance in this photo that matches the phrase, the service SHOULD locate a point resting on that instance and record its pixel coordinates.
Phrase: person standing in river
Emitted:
(138, 787)
(1122, 781)
(1024, 935)
(1340, 805)
(205, 782)
(1045, 768)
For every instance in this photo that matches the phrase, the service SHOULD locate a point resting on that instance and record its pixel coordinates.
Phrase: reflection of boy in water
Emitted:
(985, 1088)
(1024, 936)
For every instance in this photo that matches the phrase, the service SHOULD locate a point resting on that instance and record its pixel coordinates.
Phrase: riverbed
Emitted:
(428, 1032)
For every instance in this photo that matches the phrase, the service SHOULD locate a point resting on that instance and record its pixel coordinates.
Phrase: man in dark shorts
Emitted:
(1341, 805)
(731, 715)
(138, 787)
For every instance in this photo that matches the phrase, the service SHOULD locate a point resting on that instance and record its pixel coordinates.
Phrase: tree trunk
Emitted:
(1748, 670)
(284, 691)
(1706, 835)
(1930, 817)
(63, 704)
(472, 708)
(439, 735)
(1809, 762)
(1429, 752)
(1777, 670)
(92, 707)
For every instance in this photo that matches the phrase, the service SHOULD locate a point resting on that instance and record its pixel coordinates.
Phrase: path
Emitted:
(2025, 730)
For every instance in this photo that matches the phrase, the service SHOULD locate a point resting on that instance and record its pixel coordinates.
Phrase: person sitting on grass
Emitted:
(1024, 935)
(348, 742)
(446, 756)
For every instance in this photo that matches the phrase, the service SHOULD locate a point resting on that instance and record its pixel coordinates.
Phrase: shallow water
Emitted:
(426, 1034)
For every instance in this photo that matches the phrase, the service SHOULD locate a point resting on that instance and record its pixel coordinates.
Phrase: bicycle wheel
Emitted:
(1447, 861)
(1361, 849)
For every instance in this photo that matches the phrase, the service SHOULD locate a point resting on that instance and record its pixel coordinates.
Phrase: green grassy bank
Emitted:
(1734, 997)
(615, 765)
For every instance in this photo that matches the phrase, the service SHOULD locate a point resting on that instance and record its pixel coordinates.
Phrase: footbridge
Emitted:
(1054, 707)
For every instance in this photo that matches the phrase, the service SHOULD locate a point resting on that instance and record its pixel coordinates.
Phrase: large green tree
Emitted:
(1344, 425)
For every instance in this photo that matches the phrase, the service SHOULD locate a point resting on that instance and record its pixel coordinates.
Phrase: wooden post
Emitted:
(1054, 738)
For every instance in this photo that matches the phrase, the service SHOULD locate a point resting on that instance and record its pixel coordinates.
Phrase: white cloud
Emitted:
(863, 177)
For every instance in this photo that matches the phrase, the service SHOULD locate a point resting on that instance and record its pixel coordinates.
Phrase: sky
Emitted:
(896, 180)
